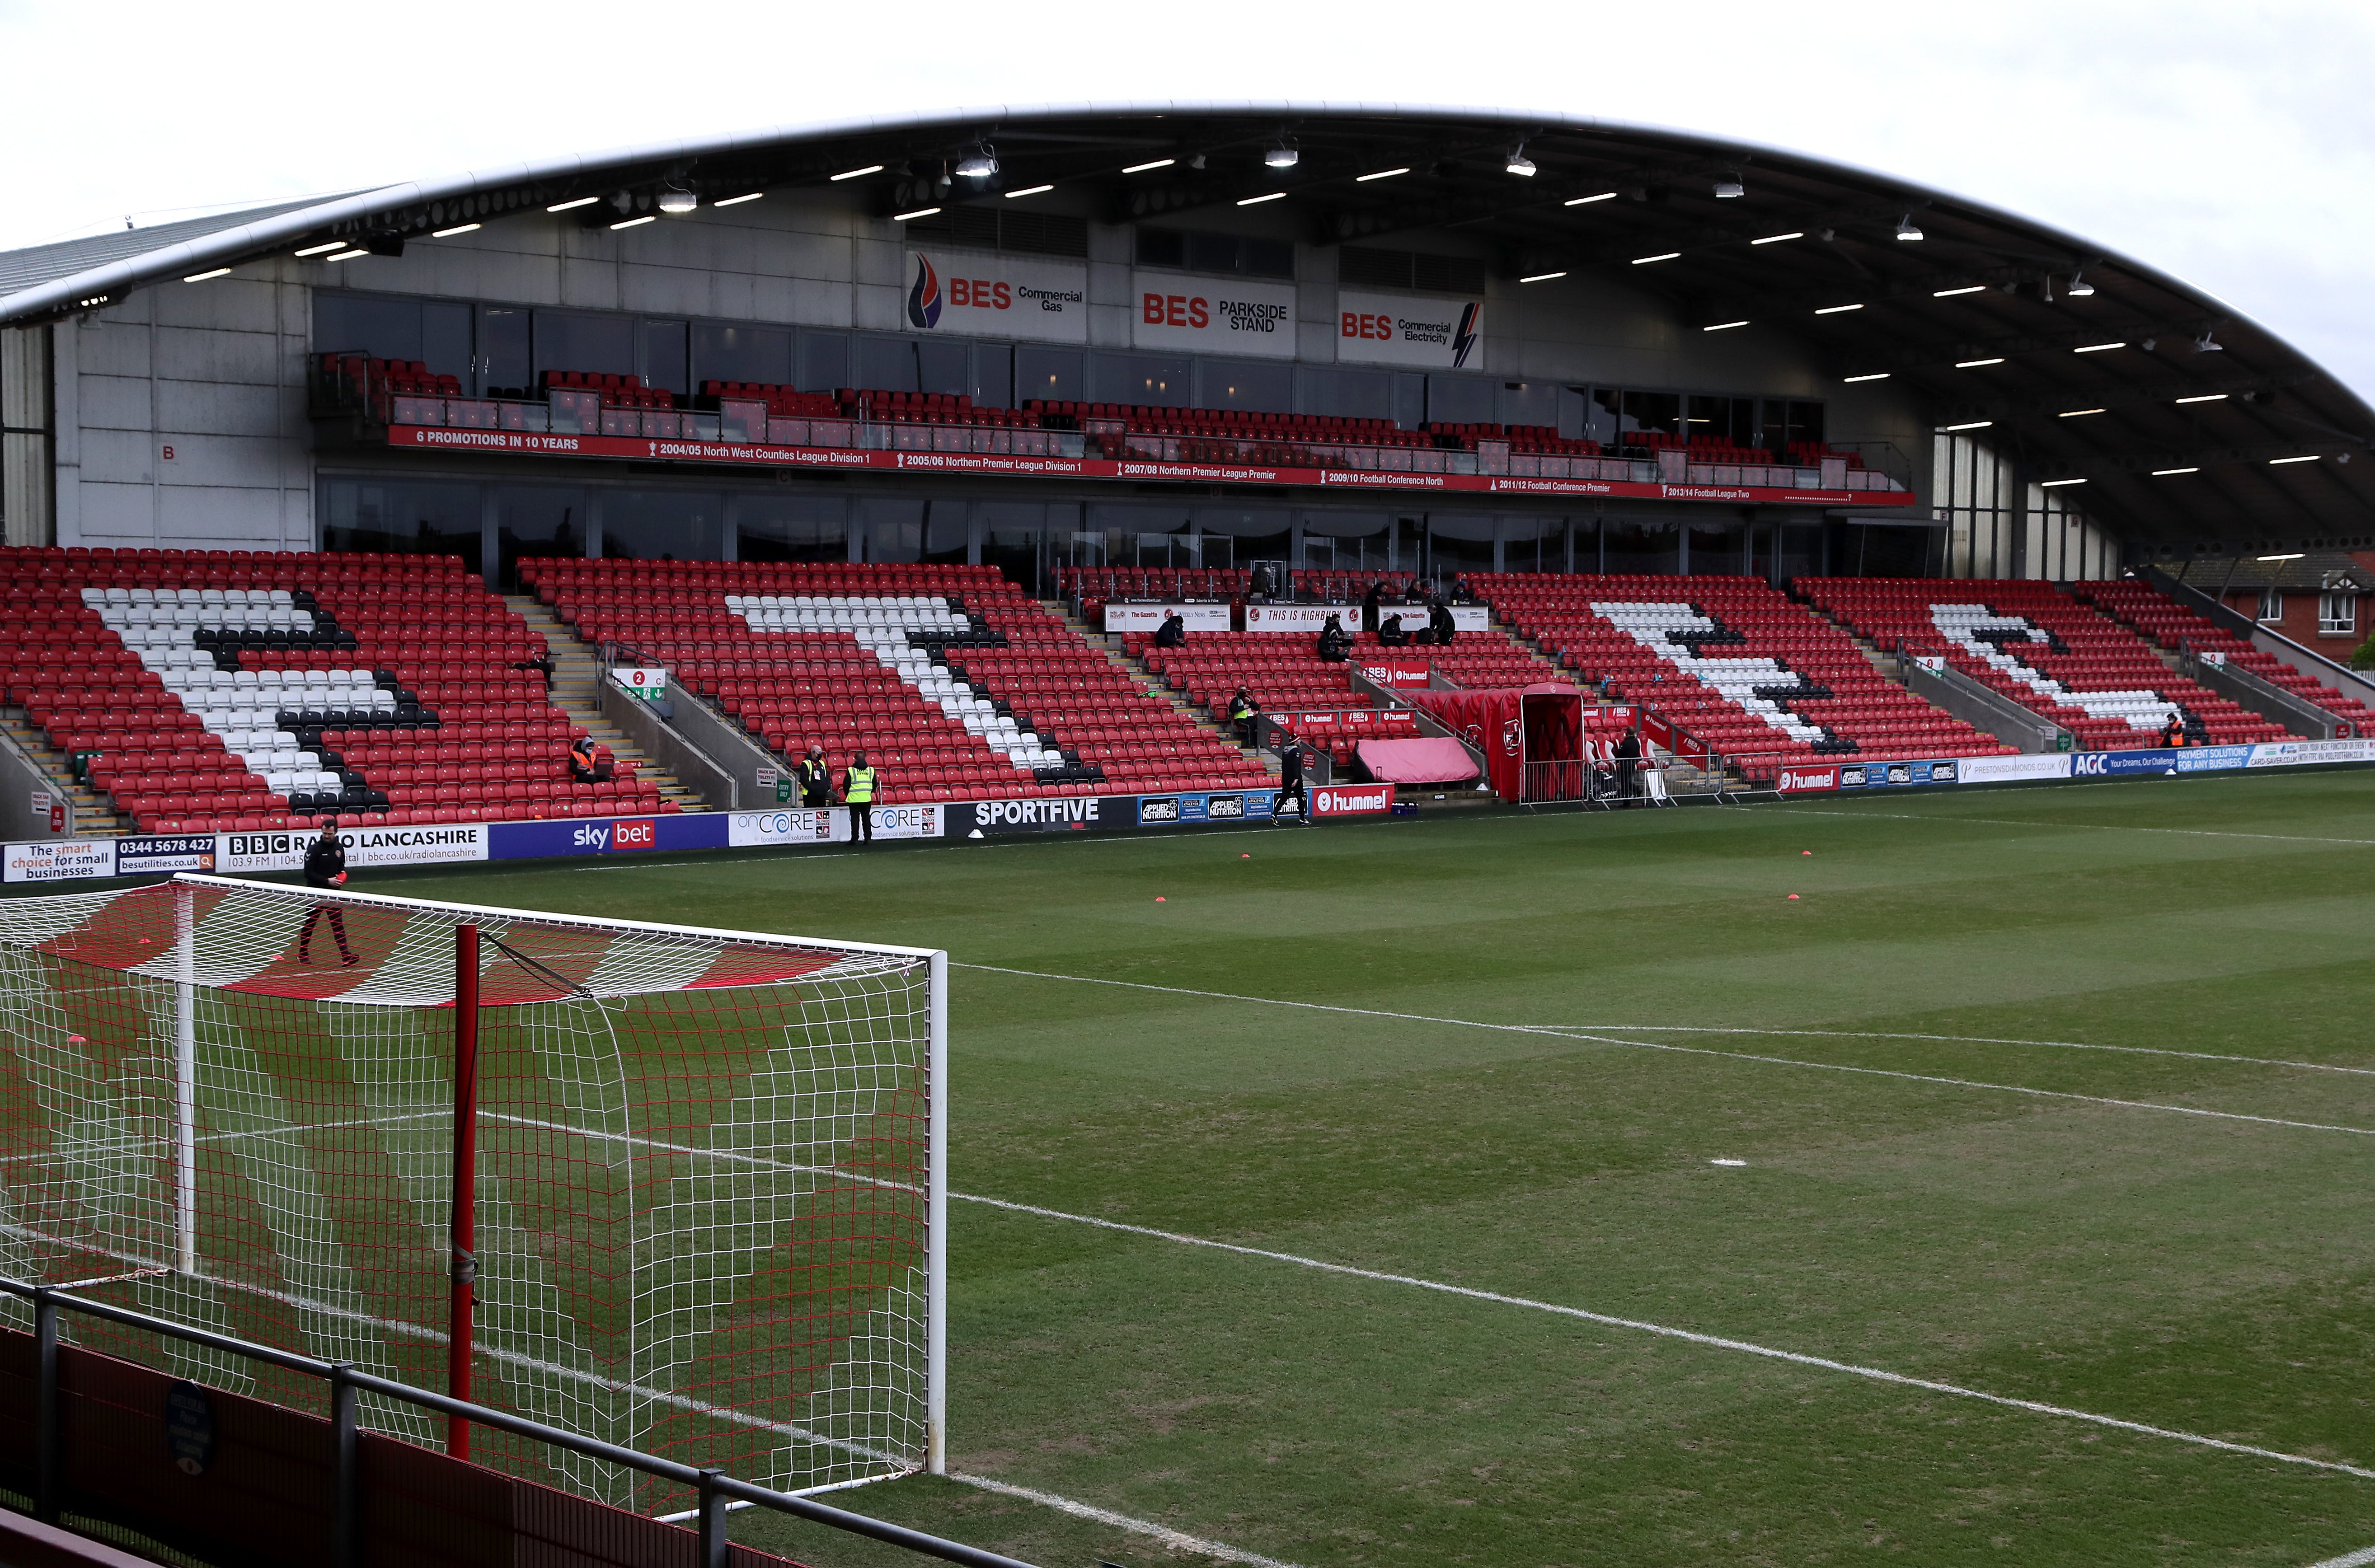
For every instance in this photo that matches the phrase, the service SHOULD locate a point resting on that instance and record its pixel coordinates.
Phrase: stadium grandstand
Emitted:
(890, 436)
(1093, 469)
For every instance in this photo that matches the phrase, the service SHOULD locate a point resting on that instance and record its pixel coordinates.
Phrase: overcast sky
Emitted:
(2232, 145)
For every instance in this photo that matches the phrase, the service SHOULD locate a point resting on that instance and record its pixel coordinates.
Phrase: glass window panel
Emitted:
(1162, 380)
(1528, 403)
(895, 529)
(1207, 252)
(824, 362)
(1014, 535)
(663, 525)
(993, 375)
(1641, 546)
(1806, 419)
(663, 361)
(1659, 411)
(402, 518)
(1051, 373)
(504, 360)
(1349, 394)
(1161, 247)
(741, 353)
(1715, 549)
(384, 329)
(1462, 400)
(1237, 383)
(886, 364)
(446, 339)
(1267, 258)
(568, 341)
(537, 520)
(944, 365)
(773, 527)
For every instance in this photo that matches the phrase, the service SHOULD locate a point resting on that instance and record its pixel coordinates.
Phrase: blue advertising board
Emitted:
(604, 835)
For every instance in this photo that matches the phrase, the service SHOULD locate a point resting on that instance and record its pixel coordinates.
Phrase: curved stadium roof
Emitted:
(2178, 439)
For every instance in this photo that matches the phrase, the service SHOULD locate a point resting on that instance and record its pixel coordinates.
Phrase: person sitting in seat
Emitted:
(1261, 589)
(587, 763)
(1335, 643)
(1245, 713)
(1173, 631)
(1418, 593)
(1439, 624)
(542, 663)
(2172, 732)
(1391, 633)
(1461, 594)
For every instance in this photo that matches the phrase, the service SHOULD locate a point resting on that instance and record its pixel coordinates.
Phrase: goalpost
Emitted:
(680, 1189)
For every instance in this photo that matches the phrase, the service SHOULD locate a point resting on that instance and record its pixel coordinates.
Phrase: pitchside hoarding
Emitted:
(996, 296)
(1405, 329)
(1150, 617)
(1309, 619)
(793, 827)
(1212, 315)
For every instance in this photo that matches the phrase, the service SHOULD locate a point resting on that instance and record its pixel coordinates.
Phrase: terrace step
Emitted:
(576, 691)
(94, 814)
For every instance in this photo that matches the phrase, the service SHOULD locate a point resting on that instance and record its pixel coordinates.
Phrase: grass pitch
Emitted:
(2086, 1245)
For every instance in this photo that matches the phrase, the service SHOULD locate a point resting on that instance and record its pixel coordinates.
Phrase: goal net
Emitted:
(708, 1165)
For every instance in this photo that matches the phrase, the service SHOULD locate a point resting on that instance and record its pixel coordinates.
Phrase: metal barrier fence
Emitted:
(718, 1492)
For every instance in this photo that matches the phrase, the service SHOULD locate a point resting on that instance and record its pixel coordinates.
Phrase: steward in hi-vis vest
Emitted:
(857, 787)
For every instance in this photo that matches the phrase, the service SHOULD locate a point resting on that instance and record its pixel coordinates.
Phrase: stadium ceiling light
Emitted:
(1662, 255)
(1974, 364)
(1380, 174)
(738, 201)
(347, 254)
(1587, 201)
(2079, 413)
(2097, 348)
(2164, 473)
(2309, 457)
(1265, 197)
(676, 201)
(636, 222)
(2206, 343)
(1835, 310)
(1282, 154)
(1950, 293)
(980, 163)
(2079, 288)
(1904, 230)
(1723, 326)
(565, 206)
(2053, 484)
(2295, 556)
(1518, 163)
(1777, 239)
(325, 245)
(1142, 168)
(1540, 277)
(1875, 375)
(1973, 425)
(457, 229)
(1030, 191)
(919, 212)
(2206, 397)
(857, 173)
(1730, 189)
(202, 276)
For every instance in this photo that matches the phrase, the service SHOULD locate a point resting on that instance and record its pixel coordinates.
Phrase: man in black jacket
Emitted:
(1335, 643)
(1369, 605)
(325, 866)
(1440, 625)
(1391, 633)
(1628, 763)
(1173, 632)
(814, 778)
(1291, 785)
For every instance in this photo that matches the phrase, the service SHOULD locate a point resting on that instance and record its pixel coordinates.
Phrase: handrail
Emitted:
(714, 1486)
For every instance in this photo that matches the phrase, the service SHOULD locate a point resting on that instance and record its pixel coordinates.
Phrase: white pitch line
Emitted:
(1173, 1539)
(2074, 827)
(1690, 1336)
(2359, 1559)
(1692, 1051)
(1963, 1040)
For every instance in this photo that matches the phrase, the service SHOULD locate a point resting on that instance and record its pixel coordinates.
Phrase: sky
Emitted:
(2232, 145)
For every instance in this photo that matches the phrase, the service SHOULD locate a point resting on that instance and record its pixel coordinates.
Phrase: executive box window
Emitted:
(663, 525)
(1160, 380)
(1369, 266)
(537, 520)
(1245, 383)
(402, 518)
(1058, 373)
(791, 527)
(1208, 250)
(566, 340)
(435, 332)
(762, 354)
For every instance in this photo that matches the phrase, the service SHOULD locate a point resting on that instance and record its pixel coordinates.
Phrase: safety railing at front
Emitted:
(719, 1494)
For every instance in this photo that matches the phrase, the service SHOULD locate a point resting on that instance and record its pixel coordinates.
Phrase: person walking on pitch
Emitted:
(325, 866)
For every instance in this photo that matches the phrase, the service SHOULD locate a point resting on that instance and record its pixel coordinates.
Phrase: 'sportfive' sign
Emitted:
(1351, 800)
(1400, 329)
(1212, 315)
(990, 296)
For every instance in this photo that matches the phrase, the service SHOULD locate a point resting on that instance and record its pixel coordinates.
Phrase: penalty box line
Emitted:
(1555, 1034)
(1960, 1040)
(1689, 1335)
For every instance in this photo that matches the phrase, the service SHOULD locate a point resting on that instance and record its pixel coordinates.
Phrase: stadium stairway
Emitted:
(1114, 646)
(94, 814)
(577, 691)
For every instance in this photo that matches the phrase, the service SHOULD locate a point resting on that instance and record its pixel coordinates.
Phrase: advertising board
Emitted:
(1792, 780)
(1884, 775)
(59, 860)
(1409, 329)
(1351, 800)
(2296, 753)
(1150, 617)
(1309, 619)
(793, 827)
(2122, 764)
(977, 295)
(163, 854)
(1212, 315)
(1161, 810)
(2012, 770)
(283, 848)
(1067, 814)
